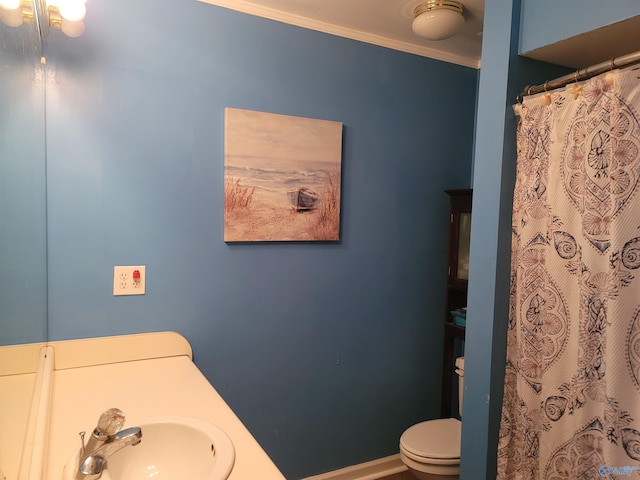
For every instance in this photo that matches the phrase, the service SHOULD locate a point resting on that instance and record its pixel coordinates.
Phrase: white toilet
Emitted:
(431, 449)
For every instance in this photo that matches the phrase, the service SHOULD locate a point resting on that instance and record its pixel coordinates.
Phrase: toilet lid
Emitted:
(434, 439)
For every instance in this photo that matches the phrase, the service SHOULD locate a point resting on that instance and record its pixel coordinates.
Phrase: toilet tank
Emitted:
(460, 372)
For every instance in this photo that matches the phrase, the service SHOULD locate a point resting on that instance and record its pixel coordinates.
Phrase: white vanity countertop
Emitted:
(145, 376)
(145, 389)
(18, 366)
(15, 396)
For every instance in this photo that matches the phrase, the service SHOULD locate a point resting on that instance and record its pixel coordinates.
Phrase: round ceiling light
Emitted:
(438, 19)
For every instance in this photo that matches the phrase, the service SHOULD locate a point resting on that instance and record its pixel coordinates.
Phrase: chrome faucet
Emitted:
(105, 440)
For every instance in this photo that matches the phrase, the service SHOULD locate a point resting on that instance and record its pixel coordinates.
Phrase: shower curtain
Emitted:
(571, 407)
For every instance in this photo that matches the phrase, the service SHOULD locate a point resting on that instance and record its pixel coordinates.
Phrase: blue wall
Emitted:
(327, 352)
(23, 243)
(502, 78)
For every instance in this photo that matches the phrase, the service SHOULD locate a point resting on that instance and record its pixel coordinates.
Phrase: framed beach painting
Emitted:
(281, 177)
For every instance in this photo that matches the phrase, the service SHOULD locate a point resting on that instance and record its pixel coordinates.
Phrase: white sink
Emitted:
(172, 448)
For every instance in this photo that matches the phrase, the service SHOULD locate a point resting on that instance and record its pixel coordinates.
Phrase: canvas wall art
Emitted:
(281, 177)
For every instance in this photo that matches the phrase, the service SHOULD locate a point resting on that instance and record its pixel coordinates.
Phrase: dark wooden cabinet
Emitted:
(456, 292)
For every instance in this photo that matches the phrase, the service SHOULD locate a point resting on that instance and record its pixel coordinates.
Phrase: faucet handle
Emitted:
(109, 423)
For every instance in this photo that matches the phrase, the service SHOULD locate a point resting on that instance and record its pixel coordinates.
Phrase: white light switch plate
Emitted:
(127, 282)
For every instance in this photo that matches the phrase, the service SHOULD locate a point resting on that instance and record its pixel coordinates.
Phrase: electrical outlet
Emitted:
(129, 280)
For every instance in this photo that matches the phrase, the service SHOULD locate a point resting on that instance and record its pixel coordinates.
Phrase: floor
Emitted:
(372, 469)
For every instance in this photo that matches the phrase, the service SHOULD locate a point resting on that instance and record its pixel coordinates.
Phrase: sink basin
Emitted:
(172, 448)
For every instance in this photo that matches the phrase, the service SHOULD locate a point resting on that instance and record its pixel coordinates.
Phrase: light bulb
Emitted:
(72, 29)
(10, 4)
(438, 24)
(72, 10)
(438, 19)
(13, 18)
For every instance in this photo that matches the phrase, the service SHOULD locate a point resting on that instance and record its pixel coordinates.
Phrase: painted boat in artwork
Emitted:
(303, 199)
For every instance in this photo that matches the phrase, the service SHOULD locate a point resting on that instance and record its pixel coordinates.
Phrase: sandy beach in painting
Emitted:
(270, 216)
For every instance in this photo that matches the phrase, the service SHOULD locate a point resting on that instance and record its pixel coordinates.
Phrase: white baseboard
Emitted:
(373, 470)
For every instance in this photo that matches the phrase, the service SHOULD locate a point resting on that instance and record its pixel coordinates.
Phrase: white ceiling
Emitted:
(381, 22)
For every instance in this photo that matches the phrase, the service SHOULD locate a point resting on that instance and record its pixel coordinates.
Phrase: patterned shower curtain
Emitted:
(571, 407)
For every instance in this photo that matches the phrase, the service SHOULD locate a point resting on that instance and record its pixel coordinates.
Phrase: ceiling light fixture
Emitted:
(438, 19)
(65, 15)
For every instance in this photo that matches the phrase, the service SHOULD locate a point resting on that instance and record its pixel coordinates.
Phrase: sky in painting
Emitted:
(255, 137)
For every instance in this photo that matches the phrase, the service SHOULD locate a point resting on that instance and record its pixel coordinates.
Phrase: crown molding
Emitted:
(251, 8)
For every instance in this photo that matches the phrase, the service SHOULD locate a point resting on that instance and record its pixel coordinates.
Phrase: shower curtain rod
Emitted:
(617, 62)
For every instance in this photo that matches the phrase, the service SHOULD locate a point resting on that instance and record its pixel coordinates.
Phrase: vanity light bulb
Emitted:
(73, 11)
(13, 18)
(10, 4)
(72, 29)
